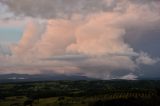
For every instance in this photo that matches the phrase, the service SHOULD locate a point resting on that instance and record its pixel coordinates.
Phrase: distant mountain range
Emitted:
(4, 78)
(39, 77)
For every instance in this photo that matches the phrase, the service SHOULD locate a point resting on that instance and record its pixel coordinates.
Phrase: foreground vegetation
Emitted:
(81, 93)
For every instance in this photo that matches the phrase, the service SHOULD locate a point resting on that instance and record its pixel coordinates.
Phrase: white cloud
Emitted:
(144, 58)
(129, 77)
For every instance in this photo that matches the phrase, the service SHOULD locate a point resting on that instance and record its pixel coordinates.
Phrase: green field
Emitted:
(81, 93)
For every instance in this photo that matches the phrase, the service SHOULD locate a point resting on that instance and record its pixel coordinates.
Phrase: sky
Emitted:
(106, 39)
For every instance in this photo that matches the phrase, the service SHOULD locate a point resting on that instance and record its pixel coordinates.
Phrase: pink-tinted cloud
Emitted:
(98, 36)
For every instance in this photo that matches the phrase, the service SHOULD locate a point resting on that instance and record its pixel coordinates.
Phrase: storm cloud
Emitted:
(91, 37)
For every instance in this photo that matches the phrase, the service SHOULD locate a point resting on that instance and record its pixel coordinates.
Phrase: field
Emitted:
(81, 93)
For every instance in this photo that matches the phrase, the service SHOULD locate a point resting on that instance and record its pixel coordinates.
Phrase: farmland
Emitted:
(81, 93)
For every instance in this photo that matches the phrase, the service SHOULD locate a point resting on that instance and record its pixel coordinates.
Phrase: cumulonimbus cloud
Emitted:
(98, 37)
